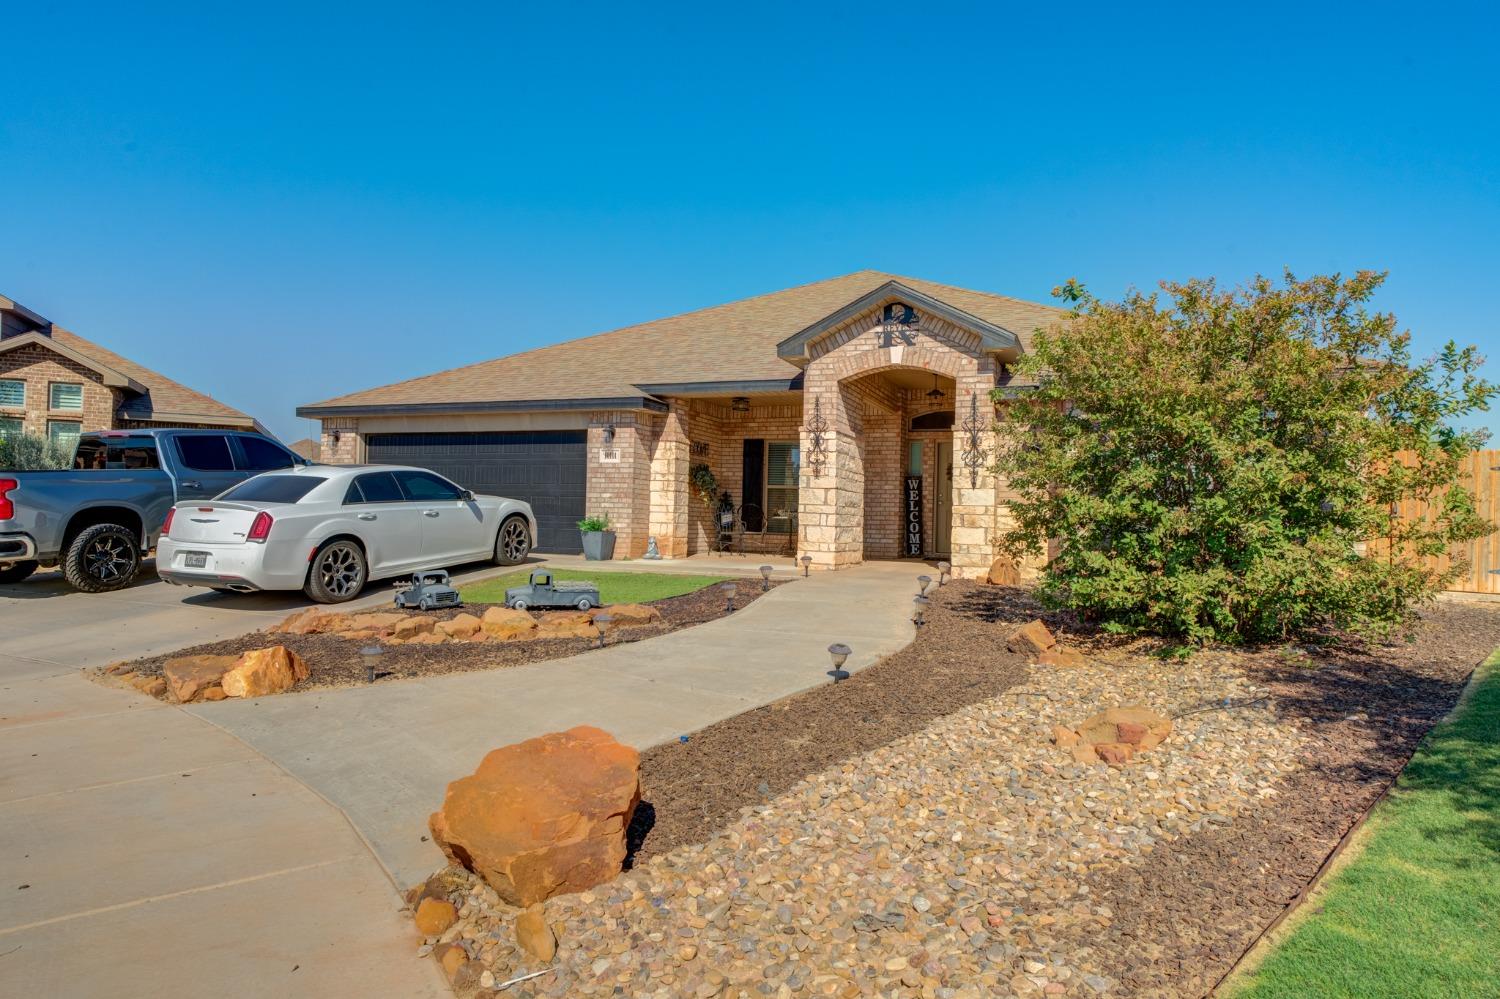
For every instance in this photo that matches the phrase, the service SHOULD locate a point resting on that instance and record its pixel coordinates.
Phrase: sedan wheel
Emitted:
(514, 542)
(338, 573)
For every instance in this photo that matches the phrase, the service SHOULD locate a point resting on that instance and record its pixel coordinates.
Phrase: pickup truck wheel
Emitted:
(338, 573)
(513, 543)
(584, 603)
(519, 605)
(103, 557)
(17, 571)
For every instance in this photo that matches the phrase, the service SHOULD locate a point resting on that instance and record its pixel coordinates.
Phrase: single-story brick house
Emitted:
(847, 419)
(55, 383)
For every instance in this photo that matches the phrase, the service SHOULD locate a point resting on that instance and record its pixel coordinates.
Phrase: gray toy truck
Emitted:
(428, 590)
(544, 591)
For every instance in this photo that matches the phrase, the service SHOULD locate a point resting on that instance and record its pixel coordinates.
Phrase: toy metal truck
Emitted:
(428, 590)
(543, 591)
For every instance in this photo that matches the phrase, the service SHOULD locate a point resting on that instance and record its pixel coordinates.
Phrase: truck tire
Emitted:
(519, 605)
(17, 571)
(584, 604)
(513, 543)
(338, 573)
(103, 557)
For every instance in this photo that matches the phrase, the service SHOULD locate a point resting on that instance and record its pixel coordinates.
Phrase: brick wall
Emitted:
(38, 367)
(341, 442)
(619, 476)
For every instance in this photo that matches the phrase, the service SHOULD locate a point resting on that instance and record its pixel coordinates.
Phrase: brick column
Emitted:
(831, 525)
(619, 477)
(670, 495)
(346, 449)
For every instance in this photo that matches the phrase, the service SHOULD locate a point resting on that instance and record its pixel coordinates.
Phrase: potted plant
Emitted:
(598, 539)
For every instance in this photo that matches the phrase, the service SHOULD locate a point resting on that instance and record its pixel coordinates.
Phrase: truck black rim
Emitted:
(108, 559)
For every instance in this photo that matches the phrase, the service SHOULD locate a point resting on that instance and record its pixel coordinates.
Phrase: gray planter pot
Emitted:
(598, 546)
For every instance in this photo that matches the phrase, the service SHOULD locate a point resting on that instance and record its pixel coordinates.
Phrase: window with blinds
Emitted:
(783, 464)
(66, 395)
(12, 392)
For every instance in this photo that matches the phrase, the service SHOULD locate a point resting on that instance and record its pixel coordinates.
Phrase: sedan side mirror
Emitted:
(466, 495)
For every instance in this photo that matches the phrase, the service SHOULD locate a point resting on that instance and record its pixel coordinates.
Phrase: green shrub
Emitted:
(25, 452)
(1211, 465)
(590, 524)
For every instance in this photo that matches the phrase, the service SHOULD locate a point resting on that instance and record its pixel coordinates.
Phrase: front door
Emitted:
(942, 532)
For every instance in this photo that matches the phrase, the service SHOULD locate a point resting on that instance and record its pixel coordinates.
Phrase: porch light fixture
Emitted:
(729, 591)
(806, 564)
(945, 569)
(935, 393)
(919, 610)
(609, 433)
(371, 654)
(838, 652)
(602, 622)
(740, 404)
(923, 581)
(765, 578)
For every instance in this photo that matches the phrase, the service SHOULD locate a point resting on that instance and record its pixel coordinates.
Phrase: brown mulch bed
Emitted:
(693, 789)
(336, 662)
(1185, 915)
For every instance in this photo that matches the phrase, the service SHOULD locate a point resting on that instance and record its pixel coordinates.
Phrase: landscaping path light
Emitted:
(919, 612)
(765, 578)
(839, 653)
(602, 622)
(944, 570)
(806, 564)
(371, 655)
(729, 591)
(923, 581)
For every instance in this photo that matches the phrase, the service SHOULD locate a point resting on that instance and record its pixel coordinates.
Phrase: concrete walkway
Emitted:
(385, 754)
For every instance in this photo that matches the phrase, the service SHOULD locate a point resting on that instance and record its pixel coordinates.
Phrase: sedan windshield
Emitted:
(273, 488)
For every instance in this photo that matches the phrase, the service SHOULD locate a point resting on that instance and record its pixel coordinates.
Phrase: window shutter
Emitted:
(754, 481)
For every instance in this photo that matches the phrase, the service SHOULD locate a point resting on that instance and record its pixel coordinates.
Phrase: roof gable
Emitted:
(109, 375)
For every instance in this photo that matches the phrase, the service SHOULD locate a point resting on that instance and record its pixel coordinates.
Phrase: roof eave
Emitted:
(992, 337)
(754, 386)
(320, 410)
(110, 376)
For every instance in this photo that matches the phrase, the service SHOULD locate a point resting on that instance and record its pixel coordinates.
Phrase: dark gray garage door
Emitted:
(546, 468)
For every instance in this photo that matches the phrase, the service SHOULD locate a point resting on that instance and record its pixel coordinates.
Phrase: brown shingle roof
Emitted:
(733, 342)
(308, 448)
(165, 401)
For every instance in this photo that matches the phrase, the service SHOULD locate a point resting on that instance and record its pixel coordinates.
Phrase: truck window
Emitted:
(205, 452)
(261, 455)
(116, 452)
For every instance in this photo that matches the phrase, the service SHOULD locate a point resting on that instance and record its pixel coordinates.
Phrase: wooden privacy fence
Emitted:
(1477, 473)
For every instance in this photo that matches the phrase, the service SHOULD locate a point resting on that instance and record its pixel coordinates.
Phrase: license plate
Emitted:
(195, 560)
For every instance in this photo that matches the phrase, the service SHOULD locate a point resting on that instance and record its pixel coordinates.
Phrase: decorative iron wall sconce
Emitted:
(974, 453)
(740, 404)
(817, 443)
(609, 433)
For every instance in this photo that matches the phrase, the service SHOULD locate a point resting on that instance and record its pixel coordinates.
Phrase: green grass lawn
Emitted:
(1417, 913)
(614, 587)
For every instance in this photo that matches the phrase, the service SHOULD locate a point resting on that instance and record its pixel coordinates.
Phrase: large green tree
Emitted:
(1228, 465)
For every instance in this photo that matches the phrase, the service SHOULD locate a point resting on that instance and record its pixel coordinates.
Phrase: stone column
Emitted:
(619, 476)
(831, 524)
(975, 490)
(670, 494)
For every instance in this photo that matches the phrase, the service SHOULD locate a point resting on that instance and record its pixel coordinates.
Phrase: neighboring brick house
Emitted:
(307, 448)
(847, 419)
(56, 383)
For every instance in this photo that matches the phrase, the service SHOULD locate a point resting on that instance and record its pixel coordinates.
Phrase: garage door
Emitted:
(546, 468)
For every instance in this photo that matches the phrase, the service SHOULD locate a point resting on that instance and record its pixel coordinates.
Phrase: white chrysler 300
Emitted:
(328, 530)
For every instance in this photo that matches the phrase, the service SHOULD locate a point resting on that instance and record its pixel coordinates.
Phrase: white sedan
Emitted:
(328, 530)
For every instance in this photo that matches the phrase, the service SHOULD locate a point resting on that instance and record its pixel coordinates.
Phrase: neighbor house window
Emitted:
(783, 462)
(12, 392)
(11, 426)
(64, 432)
(66, 395)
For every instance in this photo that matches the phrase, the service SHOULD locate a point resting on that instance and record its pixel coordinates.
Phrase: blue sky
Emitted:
(278, 205)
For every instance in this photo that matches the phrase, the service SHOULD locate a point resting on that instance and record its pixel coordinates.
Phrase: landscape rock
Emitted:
(452, 957)
(309, 621)
(462, 626)
(1003, 572)
(430, 638)
(1059, 656)
(543, 817)
(260, 672)
(154, 686)
(629, 614)
(190, 677)
(434, 915)
(1032, 638)
(534, 935)
(214, 694)
(507, 624)
(566, 624)
(376, 622)
(411, 627)
(1115, 736)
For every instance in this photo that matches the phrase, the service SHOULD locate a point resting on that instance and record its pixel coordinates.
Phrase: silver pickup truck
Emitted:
(98, 520)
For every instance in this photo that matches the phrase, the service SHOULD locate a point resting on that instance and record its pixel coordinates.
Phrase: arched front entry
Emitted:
(897, 428)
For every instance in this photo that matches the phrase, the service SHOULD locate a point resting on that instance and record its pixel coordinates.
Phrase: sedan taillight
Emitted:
(260, 528)
(7, 505)
(166, 525)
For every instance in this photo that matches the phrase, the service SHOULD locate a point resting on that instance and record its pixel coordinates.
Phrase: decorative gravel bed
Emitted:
(333, 661)
(912, 832)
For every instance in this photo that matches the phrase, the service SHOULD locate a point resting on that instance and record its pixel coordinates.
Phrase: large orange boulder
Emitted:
(629, 614)
(264, 671)
(566, 624)
(543, 817)
(190, 677)
(1003, 572)
(507, 624)
(460, 626)
(1032, 638)
(310, 621)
